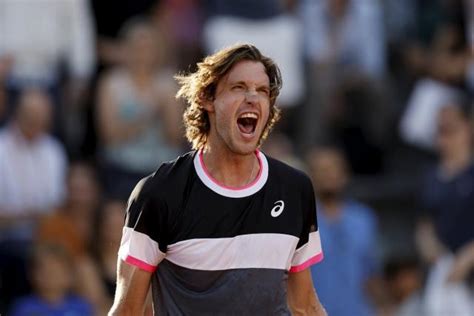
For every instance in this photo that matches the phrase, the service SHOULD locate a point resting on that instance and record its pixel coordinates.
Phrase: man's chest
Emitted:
(205, 214)
(211, 232)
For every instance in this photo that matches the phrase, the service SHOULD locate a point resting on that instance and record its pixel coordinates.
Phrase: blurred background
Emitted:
(377, 108)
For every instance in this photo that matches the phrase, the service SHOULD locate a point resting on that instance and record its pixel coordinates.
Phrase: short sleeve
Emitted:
(143, 237)
(308, 251)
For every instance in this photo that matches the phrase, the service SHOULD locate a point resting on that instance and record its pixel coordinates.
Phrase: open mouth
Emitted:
(247, 123)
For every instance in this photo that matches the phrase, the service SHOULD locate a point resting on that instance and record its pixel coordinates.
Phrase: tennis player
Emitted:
(224, 229)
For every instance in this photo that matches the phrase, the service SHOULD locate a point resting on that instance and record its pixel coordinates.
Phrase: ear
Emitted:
(207, 104)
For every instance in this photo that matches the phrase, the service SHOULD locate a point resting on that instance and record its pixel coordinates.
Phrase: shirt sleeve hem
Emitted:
(313, 260)
(140, 264)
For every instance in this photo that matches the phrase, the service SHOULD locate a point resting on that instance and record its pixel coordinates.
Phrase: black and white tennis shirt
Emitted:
(215, 250)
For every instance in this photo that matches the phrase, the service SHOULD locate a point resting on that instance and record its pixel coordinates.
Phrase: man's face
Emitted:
(240, 110)
(328, 172)
(34, 115)
(51, 275)
(453, 131)
(141, 49)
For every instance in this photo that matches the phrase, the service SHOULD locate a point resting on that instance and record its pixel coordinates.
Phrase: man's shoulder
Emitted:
(176, 167)
(283, 170)
(165, 179)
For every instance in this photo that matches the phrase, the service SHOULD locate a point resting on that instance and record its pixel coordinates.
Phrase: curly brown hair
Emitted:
(201, 85)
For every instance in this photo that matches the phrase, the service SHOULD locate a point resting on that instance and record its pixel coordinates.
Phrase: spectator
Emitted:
(180, 23)
(444, 234)
(32, 166)
(36, 48)
(403, 282)
(138, 116)
(73, 228)
(447, 195)
(38, 38)
(330, 36)
(265, 24)
(349, 229)
(52, 276)
(349, 99)
(439, 59)
(72, 224)
(110, 21)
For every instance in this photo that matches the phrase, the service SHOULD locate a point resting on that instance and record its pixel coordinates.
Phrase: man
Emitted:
(32, 166)
(233, 231)
(32, 179)
(349, 229)
(444, 233)
(52, 278)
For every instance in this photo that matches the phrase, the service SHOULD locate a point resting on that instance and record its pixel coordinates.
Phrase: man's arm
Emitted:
(463, 263)
(302, 297)
(132, 288)
(427, 242)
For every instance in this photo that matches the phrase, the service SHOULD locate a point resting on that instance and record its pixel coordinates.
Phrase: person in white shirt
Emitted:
(32, 167)
(38, 35)
(50, 44)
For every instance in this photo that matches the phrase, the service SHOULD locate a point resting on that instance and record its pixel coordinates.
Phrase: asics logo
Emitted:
(278, 208)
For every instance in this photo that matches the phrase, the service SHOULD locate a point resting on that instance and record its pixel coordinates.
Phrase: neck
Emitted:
(454, 163)
(140, 74)
(52, 297)
(231, 169)
(19, 133)
(331, 207)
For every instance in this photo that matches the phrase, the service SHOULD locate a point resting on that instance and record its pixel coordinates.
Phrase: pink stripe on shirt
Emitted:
(140, 264)
(307, 263)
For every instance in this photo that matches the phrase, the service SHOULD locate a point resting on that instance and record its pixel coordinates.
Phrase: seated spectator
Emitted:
(108, 24)
(444, 233)
(348, 100)
(331, 40)
(73, 222)
(73, 226)
(52, 277)
(138, 116)
(180, 22)
(349, 229)
(447, 197)
(266, 24)
(45, 51)
(403, 283)
(442, 69)
(32, 167)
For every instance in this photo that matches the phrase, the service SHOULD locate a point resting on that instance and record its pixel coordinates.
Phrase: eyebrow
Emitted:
(259, 86)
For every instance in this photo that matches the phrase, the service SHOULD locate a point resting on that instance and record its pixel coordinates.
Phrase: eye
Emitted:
(264, 91)
(238, 87)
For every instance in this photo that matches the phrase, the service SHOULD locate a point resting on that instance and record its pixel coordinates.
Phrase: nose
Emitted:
(251, 96)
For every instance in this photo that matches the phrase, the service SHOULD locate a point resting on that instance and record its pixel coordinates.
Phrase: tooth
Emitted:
(249, 115)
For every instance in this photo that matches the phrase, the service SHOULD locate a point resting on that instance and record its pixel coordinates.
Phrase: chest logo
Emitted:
(278, 208)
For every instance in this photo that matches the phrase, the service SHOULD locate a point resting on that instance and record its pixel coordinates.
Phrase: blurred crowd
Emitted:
(377, 107)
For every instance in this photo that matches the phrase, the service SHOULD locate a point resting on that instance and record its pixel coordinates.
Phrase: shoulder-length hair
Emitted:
(201, 85)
